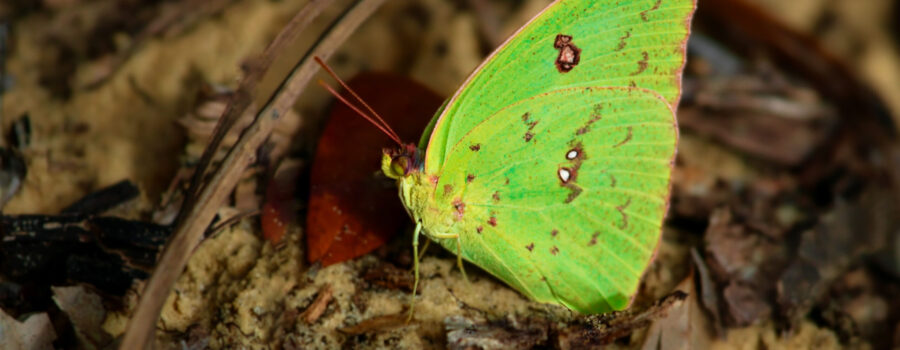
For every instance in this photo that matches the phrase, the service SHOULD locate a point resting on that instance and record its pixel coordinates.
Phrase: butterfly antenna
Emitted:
(381, 127)
(330, 72)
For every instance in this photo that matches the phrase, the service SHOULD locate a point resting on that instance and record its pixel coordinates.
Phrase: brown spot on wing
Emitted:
(528, 136)
(448, 188)
(496, 196)
(526, 118)
(642, 64)
(594, 239)
(569, 54)
(479, 229)
(621, 210)
(645, 12)
(612, 178)
(475, 148)
(554, 233)
(595, 117)
(622, 42)
(492, 221)
(554, 250)
(627, 138)
(574, 191)
(470, 178)
(530, 247)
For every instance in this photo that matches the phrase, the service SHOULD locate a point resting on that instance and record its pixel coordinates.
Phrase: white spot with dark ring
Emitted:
(572, 154)
(564, 174)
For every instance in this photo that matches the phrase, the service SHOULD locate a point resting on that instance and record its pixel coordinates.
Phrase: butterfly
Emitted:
(550, 167)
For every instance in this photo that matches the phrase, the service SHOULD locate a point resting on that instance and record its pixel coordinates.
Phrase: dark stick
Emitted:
(104, 199)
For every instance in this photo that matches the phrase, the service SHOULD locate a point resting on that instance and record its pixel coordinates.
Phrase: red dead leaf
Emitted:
(353, 208)
(281, 204)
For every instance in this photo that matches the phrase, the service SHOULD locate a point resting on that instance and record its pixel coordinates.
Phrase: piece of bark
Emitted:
(318, 306)
(745, 305)
(850, 230)
(389, 276)
(104, 199)
(599, 330)
(734, 251)
(508, 333)
(782, 124)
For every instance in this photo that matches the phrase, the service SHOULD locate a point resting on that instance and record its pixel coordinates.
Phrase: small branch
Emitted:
(104, 199)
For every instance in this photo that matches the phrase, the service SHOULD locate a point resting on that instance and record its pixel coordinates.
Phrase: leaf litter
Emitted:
(782, 229)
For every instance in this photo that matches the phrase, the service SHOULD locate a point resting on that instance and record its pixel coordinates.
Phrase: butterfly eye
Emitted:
(400, 165)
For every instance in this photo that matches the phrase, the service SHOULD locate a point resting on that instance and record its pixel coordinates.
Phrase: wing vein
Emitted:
(612, 251)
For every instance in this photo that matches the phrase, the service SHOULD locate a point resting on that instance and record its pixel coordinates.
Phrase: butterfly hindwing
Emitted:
(562, 195)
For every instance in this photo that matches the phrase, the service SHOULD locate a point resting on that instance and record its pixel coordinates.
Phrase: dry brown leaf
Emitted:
(685, 326)
(36, 332)
(86, 312)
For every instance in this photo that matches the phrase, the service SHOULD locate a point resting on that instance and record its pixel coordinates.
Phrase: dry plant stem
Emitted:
(221, 226)
(200, 212)
(240, 104)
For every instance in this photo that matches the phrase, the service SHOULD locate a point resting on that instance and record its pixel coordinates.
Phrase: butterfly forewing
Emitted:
(636, 43)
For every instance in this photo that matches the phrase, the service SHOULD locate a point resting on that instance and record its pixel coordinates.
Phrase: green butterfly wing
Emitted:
(637, 43)
(552, 163)
(566, 215)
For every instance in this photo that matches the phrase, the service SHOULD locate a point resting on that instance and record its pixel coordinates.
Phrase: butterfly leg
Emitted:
(424, 249)
(412, 299)
(459, 261)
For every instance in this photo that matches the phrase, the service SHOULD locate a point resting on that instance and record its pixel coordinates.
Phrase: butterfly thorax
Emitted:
(416, 188)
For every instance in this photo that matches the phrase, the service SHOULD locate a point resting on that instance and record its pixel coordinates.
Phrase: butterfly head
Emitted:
(399, 163)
